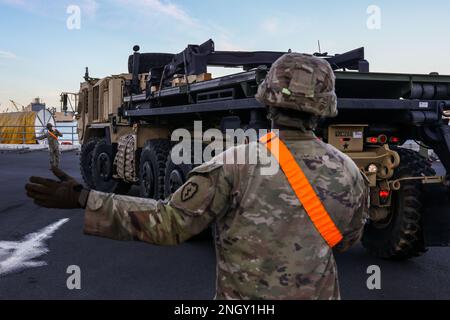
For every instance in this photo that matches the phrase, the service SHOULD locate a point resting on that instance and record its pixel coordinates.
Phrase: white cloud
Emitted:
(227, 45)
(163, 7)
(15, 2)
(40, 7)
(270, 25)
(7, 55)
(89, 8)
(23, 4)
(197, 32)
(222, 37)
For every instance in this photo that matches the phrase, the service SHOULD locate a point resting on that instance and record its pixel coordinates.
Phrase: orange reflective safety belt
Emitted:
(303, 189)
(53, 135)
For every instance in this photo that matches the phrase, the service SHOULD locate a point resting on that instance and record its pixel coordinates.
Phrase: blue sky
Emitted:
(40, 56)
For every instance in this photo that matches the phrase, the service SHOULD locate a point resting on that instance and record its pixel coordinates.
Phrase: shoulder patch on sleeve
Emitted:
(195, 196)
(188, 191)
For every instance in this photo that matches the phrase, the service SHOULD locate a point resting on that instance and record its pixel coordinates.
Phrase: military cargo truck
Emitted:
(125, 124)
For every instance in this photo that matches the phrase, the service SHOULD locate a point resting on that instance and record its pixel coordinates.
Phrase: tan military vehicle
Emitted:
(125, 124)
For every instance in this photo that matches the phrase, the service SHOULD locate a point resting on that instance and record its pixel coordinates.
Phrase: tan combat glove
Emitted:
(63, 194)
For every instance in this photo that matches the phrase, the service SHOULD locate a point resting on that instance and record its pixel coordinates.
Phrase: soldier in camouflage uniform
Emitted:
(267, 246)
(53, 144)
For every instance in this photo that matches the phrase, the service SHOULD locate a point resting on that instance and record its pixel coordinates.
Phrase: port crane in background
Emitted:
(17, 105)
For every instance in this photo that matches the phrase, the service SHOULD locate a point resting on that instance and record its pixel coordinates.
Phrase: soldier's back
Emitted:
(267, 245)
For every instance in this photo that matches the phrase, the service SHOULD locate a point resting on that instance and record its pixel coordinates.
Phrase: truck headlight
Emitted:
(372, 168)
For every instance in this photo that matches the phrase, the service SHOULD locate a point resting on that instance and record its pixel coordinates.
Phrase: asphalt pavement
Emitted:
(132, 270)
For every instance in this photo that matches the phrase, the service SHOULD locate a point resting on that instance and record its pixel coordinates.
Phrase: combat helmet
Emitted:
(300, 82)
(49, 126)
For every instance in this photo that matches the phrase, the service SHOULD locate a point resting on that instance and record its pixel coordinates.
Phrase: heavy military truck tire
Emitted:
(152, 168)
(175, 176)
(102, 169)
(86, 161)
(400, 236)
(148, 61)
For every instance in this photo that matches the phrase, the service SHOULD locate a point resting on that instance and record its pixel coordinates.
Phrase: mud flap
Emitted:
(436, 218)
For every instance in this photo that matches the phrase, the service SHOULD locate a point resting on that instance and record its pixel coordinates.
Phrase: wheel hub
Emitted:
(104, 166)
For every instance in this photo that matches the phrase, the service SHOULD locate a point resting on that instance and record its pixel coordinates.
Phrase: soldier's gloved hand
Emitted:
(48, 193)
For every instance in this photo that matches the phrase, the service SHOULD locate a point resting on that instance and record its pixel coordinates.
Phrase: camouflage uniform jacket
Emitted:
(266, 245)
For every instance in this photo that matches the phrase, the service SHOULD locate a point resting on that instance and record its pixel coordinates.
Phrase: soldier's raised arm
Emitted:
(189, 211)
